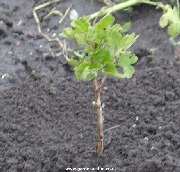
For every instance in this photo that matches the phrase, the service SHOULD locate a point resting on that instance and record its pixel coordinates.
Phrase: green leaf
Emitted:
(92, 71)
(171, 18)
(93, 40)
(174, 30)
(68, 33)
(126, 27)
(73, 62)
(87, 71)
(88, 74)
(116, 27)
(127, 41)
(112, 71)
(80, 69)
(81, 39)
(102, 56)
(126, 61)
(105, 22)
(113, 40)
(81, 24)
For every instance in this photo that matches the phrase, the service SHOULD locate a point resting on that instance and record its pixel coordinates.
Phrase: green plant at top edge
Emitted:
(105, 50)
(170, 17)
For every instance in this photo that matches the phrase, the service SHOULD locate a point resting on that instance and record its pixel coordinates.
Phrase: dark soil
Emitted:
(47, 121)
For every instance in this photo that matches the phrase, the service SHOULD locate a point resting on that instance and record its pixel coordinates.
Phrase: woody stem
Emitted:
(98, 106)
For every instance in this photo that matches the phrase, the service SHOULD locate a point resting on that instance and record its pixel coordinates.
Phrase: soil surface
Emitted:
(47, 121)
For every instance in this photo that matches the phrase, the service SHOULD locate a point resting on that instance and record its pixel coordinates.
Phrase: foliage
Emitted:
(171, 18)
(104, 46)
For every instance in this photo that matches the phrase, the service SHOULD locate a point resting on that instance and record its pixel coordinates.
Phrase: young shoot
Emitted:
(105, 51)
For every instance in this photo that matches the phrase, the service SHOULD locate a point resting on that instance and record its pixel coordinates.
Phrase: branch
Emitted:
(102, 81)
(100, 119)
(61, 45)
(124, 5)
(65, 14)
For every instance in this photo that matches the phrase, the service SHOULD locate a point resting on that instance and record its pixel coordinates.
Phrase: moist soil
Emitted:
(47, 120)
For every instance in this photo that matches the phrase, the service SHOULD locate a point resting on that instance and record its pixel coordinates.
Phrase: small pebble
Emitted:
(74, 15)
(5, 76)
(137, 118)
(54, 35)
(105, 88)
(144, 141)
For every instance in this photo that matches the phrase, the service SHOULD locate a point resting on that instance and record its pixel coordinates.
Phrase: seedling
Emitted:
(105, 52)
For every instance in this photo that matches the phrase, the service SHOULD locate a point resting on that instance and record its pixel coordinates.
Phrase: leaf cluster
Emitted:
(171, 18)
(104, 46)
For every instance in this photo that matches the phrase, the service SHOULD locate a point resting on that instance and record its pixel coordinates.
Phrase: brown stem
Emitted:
(100, 119)
(61, 45)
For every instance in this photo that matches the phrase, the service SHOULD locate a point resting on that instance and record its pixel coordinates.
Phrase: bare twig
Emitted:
(65, 53)
(107, 2)
(124, 5)
(61, 45)
(53, 12)
(111, 128)
(102, 81)
(65, 14)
